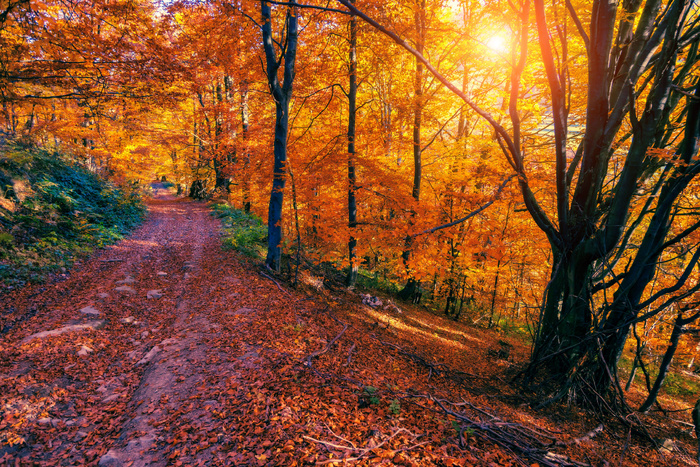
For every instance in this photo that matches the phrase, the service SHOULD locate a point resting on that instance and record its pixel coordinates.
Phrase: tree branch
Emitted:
(313, 7)
(579, 26)
(471, 214)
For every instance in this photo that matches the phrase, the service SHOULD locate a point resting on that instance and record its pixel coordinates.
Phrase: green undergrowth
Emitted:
(371, 281)
(243, 231)
(677, 384)
(682, 386)
(53, 211)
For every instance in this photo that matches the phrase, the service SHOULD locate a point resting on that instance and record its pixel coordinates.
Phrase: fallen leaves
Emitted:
(259, 377)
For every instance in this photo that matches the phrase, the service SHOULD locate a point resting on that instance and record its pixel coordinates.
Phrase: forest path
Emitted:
(164, 349)
(106, 365)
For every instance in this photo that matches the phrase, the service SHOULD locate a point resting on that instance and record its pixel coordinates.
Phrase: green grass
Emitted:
(244, 232)
(370, 281)
(54, 211)
(523, 332)
(676, 384)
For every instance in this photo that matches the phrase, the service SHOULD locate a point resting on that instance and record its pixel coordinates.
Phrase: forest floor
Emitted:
(165, 350)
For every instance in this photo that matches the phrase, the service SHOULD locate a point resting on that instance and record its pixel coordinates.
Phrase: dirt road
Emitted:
(106, 366)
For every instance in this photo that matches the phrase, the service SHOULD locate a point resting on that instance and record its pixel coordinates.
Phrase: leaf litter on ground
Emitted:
(229, 366)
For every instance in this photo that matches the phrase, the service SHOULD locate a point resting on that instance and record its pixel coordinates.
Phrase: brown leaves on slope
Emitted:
(230, 368)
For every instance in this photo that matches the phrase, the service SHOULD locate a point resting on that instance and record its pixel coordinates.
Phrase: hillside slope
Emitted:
(52, 211)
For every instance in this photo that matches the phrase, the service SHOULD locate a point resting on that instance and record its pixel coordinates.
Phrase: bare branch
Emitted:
(471, 214)
(313, 7)
(579, 26)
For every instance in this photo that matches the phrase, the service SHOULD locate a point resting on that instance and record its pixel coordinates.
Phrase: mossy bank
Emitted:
(53, 210)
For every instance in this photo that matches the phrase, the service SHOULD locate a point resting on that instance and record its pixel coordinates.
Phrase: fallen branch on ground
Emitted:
(360, 452)
(276, 283)
(327, 347)
(352, 348)
(587, 437)
(513, 437)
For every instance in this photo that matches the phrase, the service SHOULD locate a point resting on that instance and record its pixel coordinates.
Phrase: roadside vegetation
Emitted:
(243, 231)
(54, 211)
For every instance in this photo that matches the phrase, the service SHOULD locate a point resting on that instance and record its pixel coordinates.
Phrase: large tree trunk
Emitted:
(352, 177)
(282, 94)
(586, 357)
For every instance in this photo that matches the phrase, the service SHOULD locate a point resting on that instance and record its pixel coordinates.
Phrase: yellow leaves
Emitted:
(14, 439)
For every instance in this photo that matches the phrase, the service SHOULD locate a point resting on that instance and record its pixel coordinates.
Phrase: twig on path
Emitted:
(276, 283)
(327, 347)
(360, 452)
(352, 348)
(111, 260)
(587, 437)
(340, 437)
(328, 443)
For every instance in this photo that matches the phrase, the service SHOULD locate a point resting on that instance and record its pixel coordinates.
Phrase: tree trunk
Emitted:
(410, 290)
(282, 95)
(494, 293)
(665, 365)
(695, 415)
(458, 314)
(245, 119)
(198, 190)
(668, 358)
(352, 177)
(633, 373)
(566, 327)
(419, 16)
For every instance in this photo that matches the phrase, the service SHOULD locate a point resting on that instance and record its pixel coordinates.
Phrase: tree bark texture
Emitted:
(352, 176)
(282, 94)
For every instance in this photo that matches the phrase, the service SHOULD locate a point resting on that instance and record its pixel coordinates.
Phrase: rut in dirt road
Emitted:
(131, 338)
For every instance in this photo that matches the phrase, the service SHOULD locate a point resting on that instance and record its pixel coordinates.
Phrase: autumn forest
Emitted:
(523, 168)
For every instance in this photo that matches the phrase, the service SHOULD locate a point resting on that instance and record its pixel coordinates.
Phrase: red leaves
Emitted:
(242, 392)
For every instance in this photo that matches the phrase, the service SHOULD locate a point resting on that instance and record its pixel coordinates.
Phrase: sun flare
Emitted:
(497, 43)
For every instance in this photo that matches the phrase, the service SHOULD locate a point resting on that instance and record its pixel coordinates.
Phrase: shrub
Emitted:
(244, 232)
